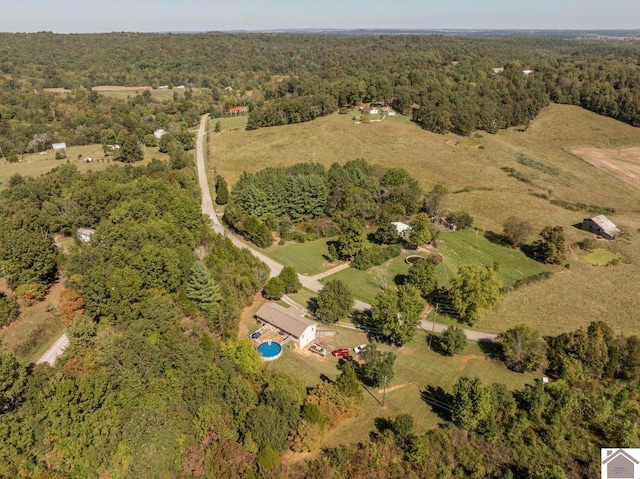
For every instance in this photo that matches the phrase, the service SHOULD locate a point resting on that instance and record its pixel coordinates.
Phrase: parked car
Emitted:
(359, 349)
(316, 348)
(256, 335)
(340, 352)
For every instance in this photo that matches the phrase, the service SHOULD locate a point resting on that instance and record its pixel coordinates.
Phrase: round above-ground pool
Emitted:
(414, 258)
(270, 350)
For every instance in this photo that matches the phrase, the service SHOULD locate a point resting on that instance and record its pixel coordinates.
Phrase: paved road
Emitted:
(308, 282)
(54, 351)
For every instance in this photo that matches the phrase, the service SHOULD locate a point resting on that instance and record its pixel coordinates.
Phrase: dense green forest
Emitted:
(446, 83)
(155, 382)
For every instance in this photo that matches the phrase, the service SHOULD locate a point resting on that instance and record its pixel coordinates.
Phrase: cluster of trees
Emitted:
(31, 119)
(274, 199)
(547, 430)
(446, 83)
(152, 304)
(551, 248)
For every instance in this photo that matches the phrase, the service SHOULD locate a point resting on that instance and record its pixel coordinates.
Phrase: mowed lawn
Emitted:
(416, 368)
(365, 285)
(35, 164)
(471, 170)
(472, 247)
(307, 258)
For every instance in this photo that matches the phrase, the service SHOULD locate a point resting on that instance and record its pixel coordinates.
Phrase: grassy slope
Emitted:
(572, 297)
(416, 368)
(36, 164)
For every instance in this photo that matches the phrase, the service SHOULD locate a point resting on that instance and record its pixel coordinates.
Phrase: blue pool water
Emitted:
(269, 350)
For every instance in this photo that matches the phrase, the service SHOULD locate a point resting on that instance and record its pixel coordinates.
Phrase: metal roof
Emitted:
(289, 320)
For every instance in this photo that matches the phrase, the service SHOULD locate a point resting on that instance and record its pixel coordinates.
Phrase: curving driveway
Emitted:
(308, 282)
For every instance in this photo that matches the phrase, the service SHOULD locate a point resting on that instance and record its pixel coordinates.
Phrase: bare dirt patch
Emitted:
(466, 359)
(393, 388)
(120, 88)
(56, 90)
(623, 164)
(246, 317)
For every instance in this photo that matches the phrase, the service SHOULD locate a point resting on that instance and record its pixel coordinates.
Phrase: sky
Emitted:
(82, 16)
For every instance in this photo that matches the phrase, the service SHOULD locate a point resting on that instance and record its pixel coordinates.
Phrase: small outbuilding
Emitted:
(159, 133)
(602, 226)
(59, 147)
(402, 228)
(85, 234)
(290, 321)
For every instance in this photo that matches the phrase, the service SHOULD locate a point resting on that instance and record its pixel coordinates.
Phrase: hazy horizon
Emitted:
(70, 16)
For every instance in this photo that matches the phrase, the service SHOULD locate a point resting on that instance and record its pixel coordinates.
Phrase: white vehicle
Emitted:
(359, 349)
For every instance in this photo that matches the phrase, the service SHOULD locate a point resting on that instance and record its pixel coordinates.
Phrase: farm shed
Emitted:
(290, 321)
(85, 234)
(402, 228)
(601, 225)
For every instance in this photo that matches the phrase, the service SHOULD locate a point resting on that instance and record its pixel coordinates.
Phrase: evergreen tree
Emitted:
(274, 289)
(202, 289)
(290, 280)
(222, 192)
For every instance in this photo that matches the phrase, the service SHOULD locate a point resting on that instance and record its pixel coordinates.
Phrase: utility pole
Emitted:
(384, 391)
(433, 329)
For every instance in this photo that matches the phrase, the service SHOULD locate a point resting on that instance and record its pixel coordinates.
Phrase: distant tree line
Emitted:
(445, 83)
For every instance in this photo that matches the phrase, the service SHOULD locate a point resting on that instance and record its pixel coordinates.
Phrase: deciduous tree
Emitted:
(523, 349)
(452, 341)
(473, 289)
(335, 301)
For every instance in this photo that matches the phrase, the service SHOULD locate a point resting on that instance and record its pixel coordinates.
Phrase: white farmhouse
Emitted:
(290, 321)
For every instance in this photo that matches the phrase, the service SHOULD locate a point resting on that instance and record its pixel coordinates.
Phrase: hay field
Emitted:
(35, 164)
(574, 296)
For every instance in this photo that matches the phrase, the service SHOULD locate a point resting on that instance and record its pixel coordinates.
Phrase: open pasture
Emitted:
(470, 167)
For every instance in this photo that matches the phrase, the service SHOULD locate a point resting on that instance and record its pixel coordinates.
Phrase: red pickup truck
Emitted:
(340, 352)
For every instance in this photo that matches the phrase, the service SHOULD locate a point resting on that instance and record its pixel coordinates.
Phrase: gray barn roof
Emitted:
(605, 224)
(289, 320)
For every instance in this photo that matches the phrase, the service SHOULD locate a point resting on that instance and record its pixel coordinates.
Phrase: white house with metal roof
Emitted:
(289, 320)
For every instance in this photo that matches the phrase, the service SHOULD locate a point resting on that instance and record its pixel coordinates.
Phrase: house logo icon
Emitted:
(620, 463)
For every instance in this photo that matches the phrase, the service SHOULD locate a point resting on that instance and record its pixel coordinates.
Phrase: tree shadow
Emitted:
(439, 400)
(364, 322)
(400, 279)
(383, 424)
(435, 343)
(493, 349)
(497, 238)
(529, 250)
(312, 305)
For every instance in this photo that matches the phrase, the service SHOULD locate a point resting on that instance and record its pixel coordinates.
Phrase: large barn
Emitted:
(290, 321)
(602, 226)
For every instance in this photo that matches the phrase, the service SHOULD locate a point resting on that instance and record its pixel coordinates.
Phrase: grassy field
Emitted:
(600, 257)
(471, 169)
(471, 246)
(36, 164)
(307, 258)
(416, 368)
(231, 123)
(160, 95)
(365, 285)
(37, 328)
